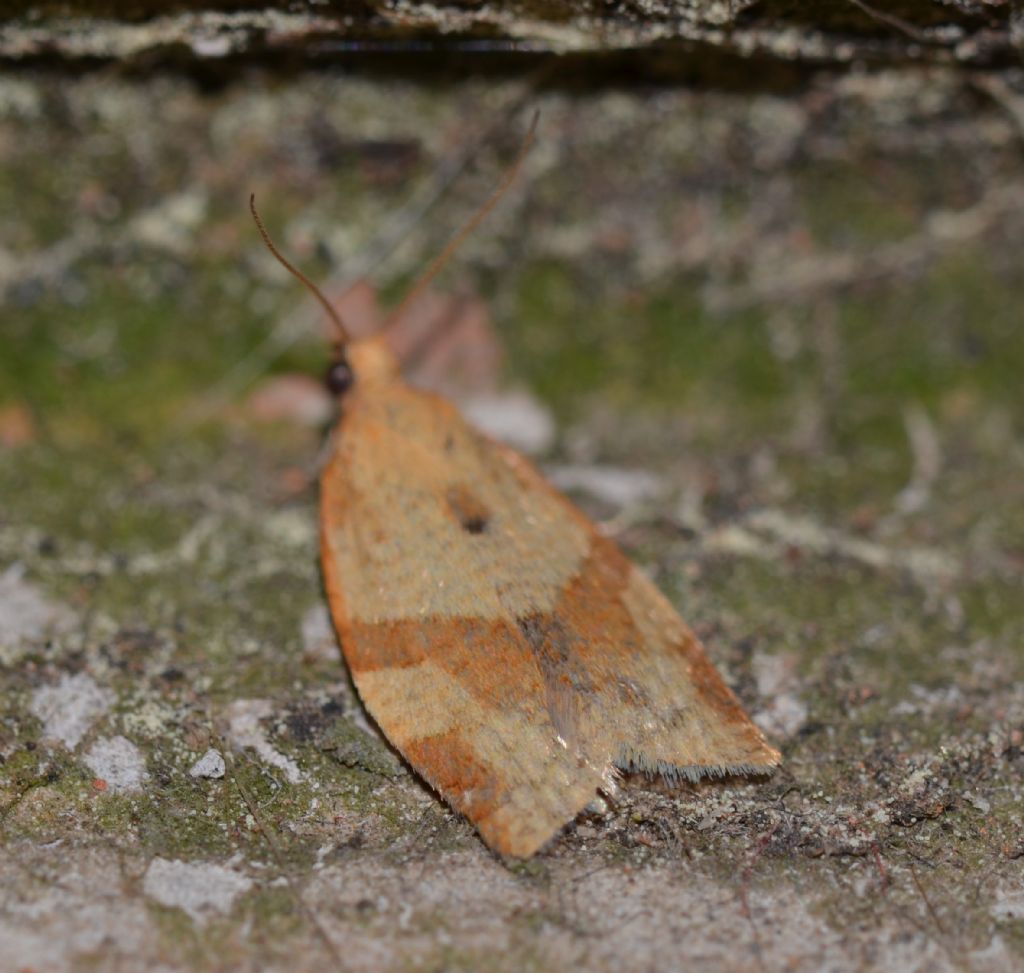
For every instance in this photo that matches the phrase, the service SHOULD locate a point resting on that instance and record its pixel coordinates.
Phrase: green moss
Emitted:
(275, 910)
(51, 783)
(174, 826)
(451, 959)
(995, 610)
(179, 931)
(956, 334)
(575, 342)
(872, 201)
(532, 869)
(353, 748)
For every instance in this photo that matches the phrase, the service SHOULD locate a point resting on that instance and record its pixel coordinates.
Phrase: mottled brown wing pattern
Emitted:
(511, 654)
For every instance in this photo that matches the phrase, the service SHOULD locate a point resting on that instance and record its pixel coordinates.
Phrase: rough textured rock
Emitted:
(798, 315)
(730, 38)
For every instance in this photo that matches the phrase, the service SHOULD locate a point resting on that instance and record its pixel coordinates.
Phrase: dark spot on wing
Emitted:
(468, 509)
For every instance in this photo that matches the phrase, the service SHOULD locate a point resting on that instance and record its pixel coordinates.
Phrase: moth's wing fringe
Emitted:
(634, 761)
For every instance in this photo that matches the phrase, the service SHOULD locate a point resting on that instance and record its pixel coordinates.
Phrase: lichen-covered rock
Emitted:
(778, 337)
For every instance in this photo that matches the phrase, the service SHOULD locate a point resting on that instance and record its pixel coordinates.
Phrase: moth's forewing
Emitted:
(513, 655)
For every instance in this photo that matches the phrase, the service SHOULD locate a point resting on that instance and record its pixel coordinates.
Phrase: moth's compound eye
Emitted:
(339, 377)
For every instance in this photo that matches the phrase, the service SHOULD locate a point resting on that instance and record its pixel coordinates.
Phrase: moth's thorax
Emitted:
(372, 361)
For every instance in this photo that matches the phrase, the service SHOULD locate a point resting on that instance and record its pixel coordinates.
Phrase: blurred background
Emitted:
(754, 301)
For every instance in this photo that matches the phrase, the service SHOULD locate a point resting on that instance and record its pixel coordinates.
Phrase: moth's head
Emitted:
(368, 361)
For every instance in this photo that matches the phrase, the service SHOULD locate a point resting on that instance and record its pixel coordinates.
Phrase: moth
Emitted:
(507, 649)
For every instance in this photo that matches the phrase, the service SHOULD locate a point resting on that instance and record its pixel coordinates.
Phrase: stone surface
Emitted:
(798, 311)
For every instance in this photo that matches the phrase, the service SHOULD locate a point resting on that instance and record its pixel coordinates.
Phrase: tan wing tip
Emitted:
(517, 840)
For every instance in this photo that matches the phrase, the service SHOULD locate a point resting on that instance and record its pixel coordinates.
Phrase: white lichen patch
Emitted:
(70, 707)
(783, 712)
(26, 614)
(210, 765)
(245, 732)
(318, 638)
(118, 762)
(197, 888)
(290, 528)
(610, 484)
(146, 716)
(1008, 905)
(172, 225)
(516, 417)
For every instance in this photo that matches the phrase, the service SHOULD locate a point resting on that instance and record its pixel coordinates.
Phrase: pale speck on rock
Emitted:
(210, 765)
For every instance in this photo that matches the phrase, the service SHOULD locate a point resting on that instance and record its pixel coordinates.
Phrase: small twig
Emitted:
(880, 864)
(1011, 101)
(891, 20)
(441, 260)
(927, 458)
(927, 901)
(943, 231)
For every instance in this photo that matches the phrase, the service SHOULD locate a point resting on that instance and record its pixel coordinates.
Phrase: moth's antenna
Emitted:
(343, 335)
(474, 221)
